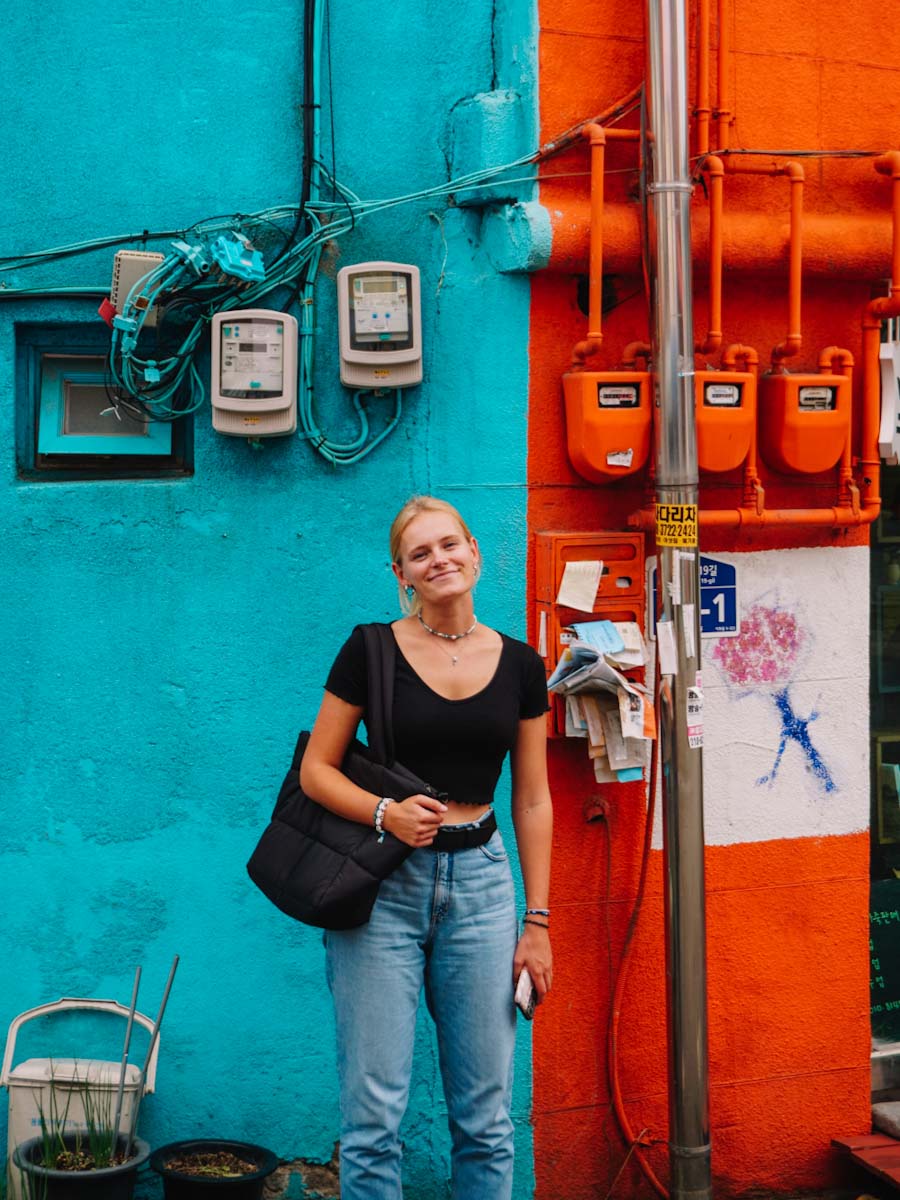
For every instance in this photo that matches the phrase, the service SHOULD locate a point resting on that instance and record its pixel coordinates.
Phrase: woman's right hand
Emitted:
(415, 821)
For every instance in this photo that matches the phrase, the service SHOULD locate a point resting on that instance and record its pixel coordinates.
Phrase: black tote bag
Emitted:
(319, 867)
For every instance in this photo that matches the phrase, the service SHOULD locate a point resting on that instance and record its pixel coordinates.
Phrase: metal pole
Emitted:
(142, 1079)
(678, 632)
(125, 1049)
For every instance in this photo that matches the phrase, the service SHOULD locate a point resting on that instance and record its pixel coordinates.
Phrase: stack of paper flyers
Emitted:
(612, 713)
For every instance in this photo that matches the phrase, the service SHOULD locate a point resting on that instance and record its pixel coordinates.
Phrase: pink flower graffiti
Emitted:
(763, 658)
(765, 652)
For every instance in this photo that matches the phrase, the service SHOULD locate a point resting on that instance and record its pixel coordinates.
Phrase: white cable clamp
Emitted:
(670, 187)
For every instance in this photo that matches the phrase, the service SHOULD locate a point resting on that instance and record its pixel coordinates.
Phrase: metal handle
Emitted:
(74, 1002)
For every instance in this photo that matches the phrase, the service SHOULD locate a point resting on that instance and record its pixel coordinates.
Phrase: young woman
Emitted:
(464, 696)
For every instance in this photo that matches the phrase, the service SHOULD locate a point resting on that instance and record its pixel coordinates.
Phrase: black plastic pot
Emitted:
(179, 1186)
(105, 1183)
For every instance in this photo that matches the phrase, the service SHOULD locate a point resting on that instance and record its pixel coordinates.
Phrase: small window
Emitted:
(77, 414)
(68, 425)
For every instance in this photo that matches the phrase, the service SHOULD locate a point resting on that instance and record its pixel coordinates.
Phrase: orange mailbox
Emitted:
(620, 593)
(804, 421)
(608, 418)
(726, 417)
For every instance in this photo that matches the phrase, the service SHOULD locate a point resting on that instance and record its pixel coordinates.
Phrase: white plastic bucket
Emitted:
(55, 1087)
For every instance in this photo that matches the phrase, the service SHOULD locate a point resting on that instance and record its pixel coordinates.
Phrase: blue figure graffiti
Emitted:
(762, 659)
(794, 728)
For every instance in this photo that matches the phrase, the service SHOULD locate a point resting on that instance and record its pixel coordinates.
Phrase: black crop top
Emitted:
(458, 746)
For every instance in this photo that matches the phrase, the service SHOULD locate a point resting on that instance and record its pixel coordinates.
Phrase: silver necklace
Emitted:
(448, 637)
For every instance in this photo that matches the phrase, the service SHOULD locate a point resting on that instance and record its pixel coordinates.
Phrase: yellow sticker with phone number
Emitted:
(676, 524)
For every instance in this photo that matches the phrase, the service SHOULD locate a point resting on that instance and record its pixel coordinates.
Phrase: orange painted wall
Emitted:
(787, 919)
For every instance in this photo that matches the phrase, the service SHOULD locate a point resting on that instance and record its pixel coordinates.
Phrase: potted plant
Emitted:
(208, 1168)
(96, 1162)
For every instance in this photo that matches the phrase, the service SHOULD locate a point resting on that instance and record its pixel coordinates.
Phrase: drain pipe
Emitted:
(681, 696)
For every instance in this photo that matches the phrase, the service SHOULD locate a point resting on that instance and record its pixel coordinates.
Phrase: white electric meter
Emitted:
(379, 319)
(254, 373)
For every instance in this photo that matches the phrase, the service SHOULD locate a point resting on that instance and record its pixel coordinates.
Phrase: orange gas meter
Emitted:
(726, 416)
(804, 421)
(608, 418)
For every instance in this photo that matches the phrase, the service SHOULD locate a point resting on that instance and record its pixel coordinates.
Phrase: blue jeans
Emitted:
(448, 921)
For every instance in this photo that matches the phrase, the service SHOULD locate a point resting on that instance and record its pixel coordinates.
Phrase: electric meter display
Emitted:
(380, 325)
(380, 316)
(251, 358)
(254, 373)
(722, 395)
(617, 396)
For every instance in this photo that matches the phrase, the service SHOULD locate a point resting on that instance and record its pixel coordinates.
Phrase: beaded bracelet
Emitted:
(538, 912)
(529, 921)
(379, 816)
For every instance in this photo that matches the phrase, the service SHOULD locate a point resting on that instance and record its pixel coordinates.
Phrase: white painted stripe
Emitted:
(795, 680)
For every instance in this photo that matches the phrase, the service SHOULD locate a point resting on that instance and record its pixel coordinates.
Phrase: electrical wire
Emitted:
(731, 151)
(625, 1161)
(182, 288)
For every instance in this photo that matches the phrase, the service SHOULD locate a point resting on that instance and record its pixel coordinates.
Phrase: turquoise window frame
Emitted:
(52, 436)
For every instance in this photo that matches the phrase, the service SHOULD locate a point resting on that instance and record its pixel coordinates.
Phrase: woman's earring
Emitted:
(410, 591)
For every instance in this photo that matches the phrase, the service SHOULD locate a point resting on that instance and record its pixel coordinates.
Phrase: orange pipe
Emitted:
(597, 137)
(723, 112)
(754, 493)
(869, 461)
(889, 164)
(753, 241)
(792, 343)
(632, 352)
(862, 509)
(702, 111)
(877, 311)
(834, 360)
(716, 169)
(571, 136)
(837, 517)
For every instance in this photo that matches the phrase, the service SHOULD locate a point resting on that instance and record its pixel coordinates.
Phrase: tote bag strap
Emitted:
(380, 662)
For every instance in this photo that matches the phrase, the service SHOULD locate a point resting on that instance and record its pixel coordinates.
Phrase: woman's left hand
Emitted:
(533, 952)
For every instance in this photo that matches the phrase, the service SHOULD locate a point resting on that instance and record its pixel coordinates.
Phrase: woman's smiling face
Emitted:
(436, 558)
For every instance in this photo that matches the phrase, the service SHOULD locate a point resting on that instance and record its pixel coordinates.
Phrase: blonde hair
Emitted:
(410, 510)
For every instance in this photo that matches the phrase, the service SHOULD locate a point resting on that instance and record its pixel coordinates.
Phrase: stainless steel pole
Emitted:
(678, 632)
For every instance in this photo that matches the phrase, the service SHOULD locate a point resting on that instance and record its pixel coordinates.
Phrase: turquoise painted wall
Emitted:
(162, 641)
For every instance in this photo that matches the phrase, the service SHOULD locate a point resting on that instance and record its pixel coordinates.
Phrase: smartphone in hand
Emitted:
(526, 995)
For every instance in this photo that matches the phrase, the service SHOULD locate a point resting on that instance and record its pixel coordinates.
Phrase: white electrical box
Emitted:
(129, 267)
(889, 431)
(254, 373)
(380, 325)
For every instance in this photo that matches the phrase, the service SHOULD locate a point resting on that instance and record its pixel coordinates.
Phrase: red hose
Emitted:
(615, 1008)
